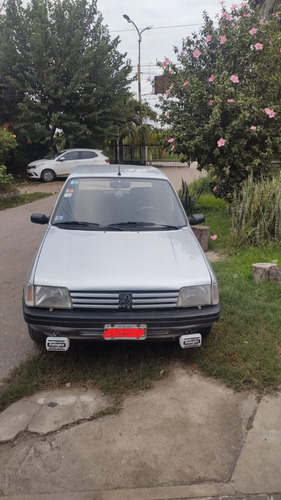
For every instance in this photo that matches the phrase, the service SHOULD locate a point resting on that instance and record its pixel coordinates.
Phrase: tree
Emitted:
(60, 70)
(223, 100)
(267, 7)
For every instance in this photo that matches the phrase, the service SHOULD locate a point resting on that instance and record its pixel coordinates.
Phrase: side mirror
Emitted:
(62, 158)
(39, 218)
(196, 219)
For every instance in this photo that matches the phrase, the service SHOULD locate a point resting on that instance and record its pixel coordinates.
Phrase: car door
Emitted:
(66, 163)
(87, 157)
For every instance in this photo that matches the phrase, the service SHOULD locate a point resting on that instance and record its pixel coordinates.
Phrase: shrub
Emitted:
(188, 201)
(256, 211)
(203, 185)
(6, 180)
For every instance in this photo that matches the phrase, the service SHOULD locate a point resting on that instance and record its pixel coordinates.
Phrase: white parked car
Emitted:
(119, 260)
(63, 162)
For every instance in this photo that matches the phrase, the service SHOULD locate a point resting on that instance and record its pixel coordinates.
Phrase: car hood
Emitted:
(34, 163)
(120, 260)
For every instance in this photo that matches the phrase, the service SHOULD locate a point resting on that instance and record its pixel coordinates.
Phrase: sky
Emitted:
(171, 21)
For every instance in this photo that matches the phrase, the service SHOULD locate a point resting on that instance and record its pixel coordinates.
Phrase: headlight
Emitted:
(51, 297)
(199, 295)
(35, 166)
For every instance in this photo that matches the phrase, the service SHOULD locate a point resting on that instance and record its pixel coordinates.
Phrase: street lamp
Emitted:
(139, 56)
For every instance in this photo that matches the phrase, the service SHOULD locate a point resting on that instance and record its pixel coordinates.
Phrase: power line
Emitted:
(161, 27)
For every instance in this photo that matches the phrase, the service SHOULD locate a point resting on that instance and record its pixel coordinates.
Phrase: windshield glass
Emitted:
(130, 204)
(53, 157)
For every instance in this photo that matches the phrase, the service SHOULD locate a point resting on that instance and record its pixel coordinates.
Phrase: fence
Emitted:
(151, 154)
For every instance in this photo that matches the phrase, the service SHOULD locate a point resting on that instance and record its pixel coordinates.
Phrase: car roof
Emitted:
(118, 171)
(80, 149)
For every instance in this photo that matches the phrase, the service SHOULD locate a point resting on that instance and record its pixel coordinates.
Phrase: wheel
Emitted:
(48, 175)
(205, 331)
(144, 209)
(38, 337)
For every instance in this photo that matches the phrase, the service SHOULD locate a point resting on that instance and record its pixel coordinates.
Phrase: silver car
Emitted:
(63, 162)
(119, 261)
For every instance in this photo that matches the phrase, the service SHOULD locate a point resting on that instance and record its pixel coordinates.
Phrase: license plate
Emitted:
(57, 343)
(125, 332)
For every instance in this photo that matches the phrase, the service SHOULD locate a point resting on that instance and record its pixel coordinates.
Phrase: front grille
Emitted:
(111, 300)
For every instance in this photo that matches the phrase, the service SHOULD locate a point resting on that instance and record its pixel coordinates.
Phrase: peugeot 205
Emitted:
(119, 261)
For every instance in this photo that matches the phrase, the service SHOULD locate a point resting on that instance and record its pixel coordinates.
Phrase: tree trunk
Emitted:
(202, 233)
(266, 271)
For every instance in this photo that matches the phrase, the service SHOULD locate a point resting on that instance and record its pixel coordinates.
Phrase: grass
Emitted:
(243, 349)
(16, 199)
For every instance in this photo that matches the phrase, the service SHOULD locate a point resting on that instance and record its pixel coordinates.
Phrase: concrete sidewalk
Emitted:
(187, 437)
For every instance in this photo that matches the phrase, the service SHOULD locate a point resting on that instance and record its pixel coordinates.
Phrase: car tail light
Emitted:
(107, 160)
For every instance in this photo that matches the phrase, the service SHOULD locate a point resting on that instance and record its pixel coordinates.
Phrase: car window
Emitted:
(71, 155)
(84, 155)
(113, 201)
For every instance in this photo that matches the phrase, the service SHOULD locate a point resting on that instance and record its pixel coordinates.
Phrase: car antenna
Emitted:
(119, 173)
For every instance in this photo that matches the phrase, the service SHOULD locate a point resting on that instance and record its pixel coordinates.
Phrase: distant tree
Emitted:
(60, 70)
(223, 100)
(267, 7)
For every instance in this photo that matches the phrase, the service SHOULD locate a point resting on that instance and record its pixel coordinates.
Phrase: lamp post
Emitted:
(139, 57)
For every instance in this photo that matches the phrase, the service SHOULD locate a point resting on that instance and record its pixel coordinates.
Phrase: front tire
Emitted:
(37, 337)
(48, 175)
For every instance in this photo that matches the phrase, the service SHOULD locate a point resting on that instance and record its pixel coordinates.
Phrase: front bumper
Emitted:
(85, 324)
(32, 174)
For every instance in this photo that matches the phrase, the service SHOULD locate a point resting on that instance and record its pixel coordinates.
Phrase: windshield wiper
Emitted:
(77, 224)
(143, 224)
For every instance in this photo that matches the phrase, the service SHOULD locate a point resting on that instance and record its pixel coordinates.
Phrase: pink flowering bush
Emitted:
(228, 117)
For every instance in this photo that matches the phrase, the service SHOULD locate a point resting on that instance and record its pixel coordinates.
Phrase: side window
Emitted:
(71, 155)
(85, 155)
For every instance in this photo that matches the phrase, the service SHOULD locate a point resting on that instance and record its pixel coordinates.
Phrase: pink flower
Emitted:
(258, 46)
(173, 147)
(211, 79)
(171, 139)
(280, 50)
(247, 168)
(261, 21)
(182, 53)
(167, 113)
(233, 6)
(214, 237)
(185, 83)
(253, 31)
(210, 102)
(243, 4)
(246, 14)
(215, 188)
(270, 112)
(170, 72)
(196, 53)
(223, 39)
(230, 100)
(167, 92)
(208, 38)
(164, 64)
(253, 127)
(221, 142)
(148, 79)
(234, 79)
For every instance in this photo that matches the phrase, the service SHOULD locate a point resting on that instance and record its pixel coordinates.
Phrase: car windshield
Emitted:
(127, 205)
(53, 157)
